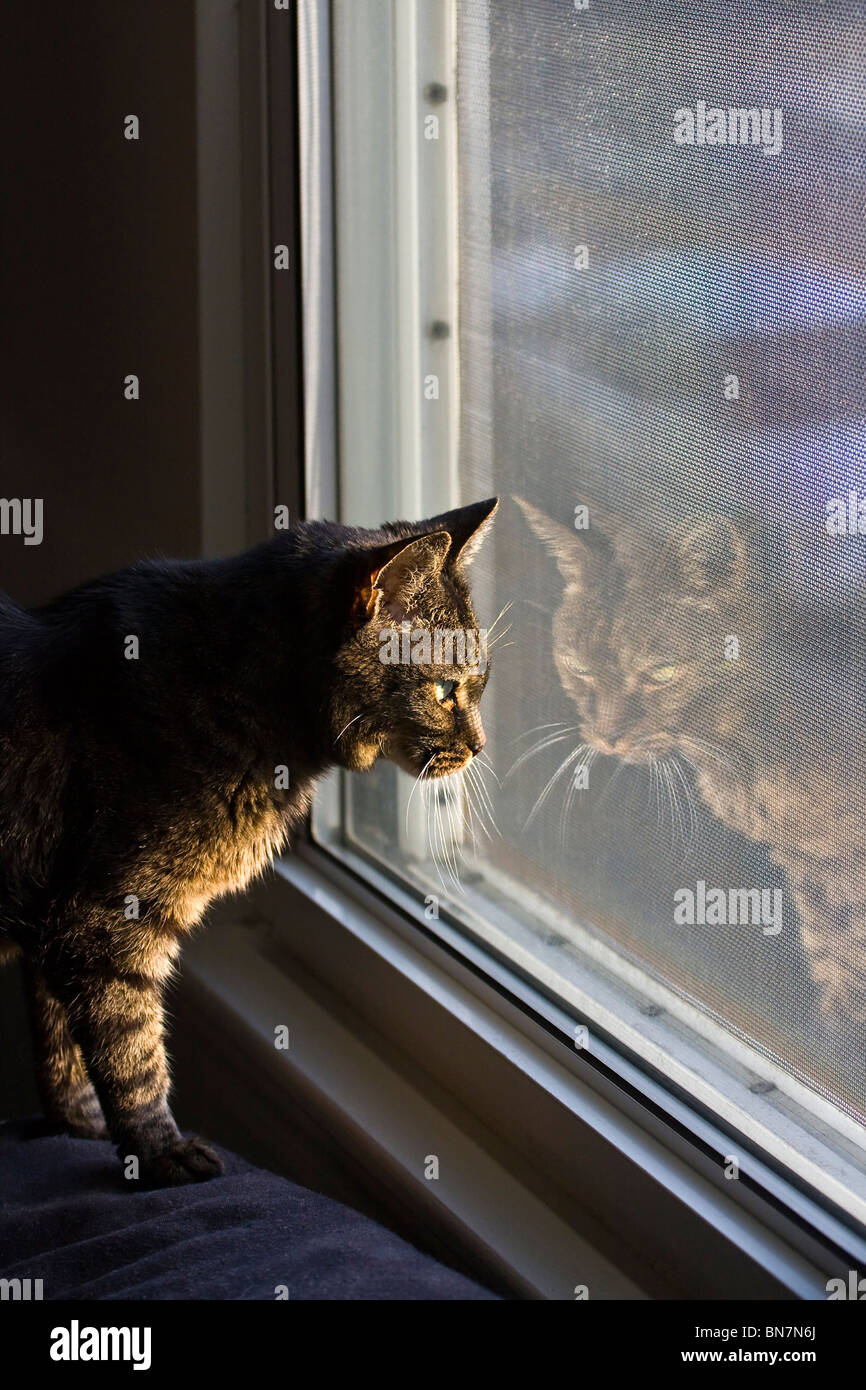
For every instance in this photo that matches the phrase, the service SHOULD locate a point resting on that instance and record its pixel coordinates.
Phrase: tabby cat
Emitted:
(771, 724)
(160, 733)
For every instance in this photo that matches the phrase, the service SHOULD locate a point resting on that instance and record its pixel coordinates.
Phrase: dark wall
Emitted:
(98, 278)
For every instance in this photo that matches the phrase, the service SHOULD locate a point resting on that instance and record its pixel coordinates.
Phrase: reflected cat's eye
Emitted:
(660, 675)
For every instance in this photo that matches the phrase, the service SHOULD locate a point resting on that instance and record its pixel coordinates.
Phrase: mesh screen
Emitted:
(665, 329)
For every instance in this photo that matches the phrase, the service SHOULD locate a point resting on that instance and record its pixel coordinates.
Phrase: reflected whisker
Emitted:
(687, 790)
(499, 616)
(577, 752)
(544, 743)
(483, 798)
(484, 763)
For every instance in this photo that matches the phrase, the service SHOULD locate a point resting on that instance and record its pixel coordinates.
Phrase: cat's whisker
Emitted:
(493, 641)
(451, 820)
(446, 823)
(467, 812)
(432, 841)
(725, 757)
(499, 616)
(351, 722)
(655, 790)
(415, 787)
(486, 765)
(474, 774)
(565, 813)
(483, 798)
(687, 790)
(674, 803)
(433, 833)
(557, 724)
(539, 747)
(678, 826)
(482, 819)
(666, 783)
(590, 755)
(563, 767)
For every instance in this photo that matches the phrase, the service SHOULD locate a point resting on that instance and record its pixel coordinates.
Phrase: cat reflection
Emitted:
(678, 655)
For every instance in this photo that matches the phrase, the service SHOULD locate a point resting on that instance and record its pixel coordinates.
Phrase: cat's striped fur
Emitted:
(134, 791)
(775, 737)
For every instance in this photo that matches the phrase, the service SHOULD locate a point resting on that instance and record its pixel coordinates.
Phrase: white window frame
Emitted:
(480, 1044)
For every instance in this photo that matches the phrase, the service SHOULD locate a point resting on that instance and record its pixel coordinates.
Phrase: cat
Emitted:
(771, 722)
(161, 730)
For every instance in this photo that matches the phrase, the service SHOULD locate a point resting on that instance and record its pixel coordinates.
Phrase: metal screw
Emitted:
(439, 330)
(762, 1088)
(436, 93)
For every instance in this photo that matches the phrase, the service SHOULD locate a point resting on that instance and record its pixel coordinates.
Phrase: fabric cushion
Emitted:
(68, 1218)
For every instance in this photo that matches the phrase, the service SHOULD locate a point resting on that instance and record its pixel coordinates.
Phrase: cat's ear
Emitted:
(399, 572)
(467, 527)
(572, 550)
(708, 555)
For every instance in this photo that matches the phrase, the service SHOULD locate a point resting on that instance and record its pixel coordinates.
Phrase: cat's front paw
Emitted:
(189, 1160)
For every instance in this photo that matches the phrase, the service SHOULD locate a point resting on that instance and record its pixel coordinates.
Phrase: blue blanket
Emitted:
(67, 1218)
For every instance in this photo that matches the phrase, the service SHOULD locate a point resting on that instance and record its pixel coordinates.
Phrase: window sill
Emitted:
(551, 1175)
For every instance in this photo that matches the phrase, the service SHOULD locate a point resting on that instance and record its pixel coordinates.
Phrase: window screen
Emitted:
(662, 282)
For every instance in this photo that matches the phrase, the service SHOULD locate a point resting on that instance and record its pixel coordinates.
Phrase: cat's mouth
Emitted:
(443, 764)
(645, 749)
(430, 764)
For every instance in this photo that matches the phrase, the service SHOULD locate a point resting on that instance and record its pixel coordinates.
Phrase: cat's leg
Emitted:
(833, 933)
(116, 1016)
(68, 1097)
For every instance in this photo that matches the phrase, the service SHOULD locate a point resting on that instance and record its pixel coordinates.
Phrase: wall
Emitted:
(98, 278)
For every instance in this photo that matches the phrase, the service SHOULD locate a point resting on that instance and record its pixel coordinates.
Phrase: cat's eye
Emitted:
(444, 690)
(576, 669)
(660, 675)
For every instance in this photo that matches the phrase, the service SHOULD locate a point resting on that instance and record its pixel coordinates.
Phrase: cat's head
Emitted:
(414, 666)
(642, 634)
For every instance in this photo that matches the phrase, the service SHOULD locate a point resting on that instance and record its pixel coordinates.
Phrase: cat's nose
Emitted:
(475, 744)
(609, 743)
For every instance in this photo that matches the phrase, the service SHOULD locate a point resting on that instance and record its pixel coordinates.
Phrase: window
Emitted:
(627, 244)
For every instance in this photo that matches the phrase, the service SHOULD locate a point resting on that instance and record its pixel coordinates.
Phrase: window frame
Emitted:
(489, 1049)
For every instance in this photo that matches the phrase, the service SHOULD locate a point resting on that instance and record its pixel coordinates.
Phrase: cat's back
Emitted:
(30, 760)
(19, 640)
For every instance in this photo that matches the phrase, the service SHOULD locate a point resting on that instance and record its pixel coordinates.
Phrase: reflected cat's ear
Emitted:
(707, 555)
(572, 550)
(399, 572)
(467, 527)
